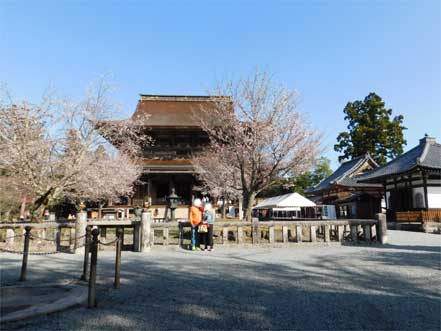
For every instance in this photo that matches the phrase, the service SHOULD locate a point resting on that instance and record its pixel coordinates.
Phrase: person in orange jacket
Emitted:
(195, 219)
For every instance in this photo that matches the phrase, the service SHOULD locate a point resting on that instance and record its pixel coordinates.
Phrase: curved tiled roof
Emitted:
(426, 155)
(342, 176)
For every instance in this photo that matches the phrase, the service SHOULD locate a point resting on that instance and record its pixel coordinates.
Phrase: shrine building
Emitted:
(177, 137)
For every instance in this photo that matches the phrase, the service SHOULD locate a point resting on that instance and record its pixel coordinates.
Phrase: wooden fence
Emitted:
(419, 216)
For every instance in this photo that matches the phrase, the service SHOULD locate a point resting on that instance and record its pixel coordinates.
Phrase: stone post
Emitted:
(137, 237)
(239, 235)
(299, 234)
(256, 230)
(381, 228)
(327, 233)
(240, 210)
(340, 229)
(313, 233)
(354, 233)
(224, 235)
(146, 232)
(367, 232)
(165, 234)
(80, 232)
(10, 236)
(271, 234)
(285, 233)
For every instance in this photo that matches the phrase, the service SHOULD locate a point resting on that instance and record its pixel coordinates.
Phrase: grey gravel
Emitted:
(335, 287)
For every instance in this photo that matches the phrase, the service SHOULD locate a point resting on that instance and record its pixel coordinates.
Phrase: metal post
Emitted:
(93, 261)
(117, 281)
(86, 252)
(24, 263)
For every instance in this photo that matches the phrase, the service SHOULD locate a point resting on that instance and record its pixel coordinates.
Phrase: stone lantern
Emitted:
(173, 200)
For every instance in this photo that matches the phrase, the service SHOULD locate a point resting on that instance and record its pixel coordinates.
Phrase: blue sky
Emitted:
(332, 52)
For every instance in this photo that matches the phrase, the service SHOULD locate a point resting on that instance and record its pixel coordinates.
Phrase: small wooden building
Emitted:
(352, 199)
(412, 183)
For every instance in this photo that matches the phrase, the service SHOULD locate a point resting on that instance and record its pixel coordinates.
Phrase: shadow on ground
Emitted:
(373, 287)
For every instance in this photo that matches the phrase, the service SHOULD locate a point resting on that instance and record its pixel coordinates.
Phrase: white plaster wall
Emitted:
(416, 190)
(434, 197)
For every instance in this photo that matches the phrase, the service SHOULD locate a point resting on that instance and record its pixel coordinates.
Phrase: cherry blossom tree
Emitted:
(51, 150)
(218, 178)
(257, 134)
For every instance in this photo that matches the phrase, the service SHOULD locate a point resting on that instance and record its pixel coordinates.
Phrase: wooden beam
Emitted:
(426, 199)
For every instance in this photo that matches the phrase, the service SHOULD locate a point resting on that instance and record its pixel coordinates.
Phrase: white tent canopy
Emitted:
(291, 201)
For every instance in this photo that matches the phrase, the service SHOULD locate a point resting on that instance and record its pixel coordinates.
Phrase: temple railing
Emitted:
(144, 234)
(271, 232)
(419, 216)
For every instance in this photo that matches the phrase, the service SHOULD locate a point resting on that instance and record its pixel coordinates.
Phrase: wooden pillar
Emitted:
(285, 233)
(426, 198)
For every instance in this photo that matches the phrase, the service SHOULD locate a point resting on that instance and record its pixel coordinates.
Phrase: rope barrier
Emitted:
(16, 236)
(109, 243)
(54, 240)
(29, 253)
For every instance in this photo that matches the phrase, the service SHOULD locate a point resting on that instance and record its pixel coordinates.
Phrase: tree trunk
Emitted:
(224, 209)
(248, 202)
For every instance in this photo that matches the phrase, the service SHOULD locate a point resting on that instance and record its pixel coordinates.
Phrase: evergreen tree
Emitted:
(372, 130)
(299, 184)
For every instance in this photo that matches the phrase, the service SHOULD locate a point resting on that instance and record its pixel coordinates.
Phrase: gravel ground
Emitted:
(395, 286)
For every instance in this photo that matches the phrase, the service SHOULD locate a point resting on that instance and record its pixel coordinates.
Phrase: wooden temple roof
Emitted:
(427, 155)
(167, 166)
(173, 110)
(347, 175)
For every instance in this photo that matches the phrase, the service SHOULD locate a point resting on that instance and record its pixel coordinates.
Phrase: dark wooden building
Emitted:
(352, 199)
(412, 183)
(177, 137)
